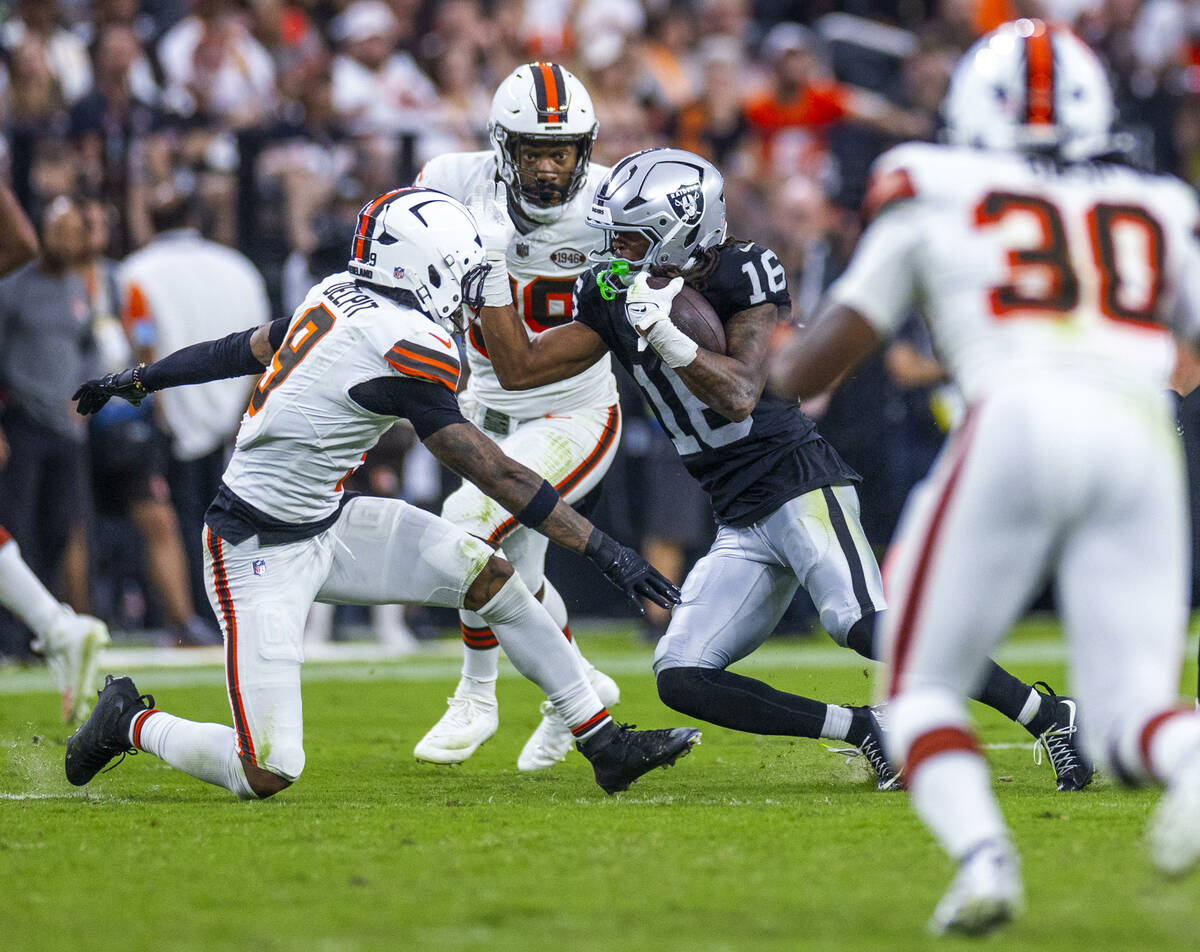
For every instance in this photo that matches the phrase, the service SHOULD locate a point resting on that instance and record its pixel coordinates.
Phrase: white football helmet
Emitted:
(545, 103)
(1029, 86)
(426, 244)
(674, 198)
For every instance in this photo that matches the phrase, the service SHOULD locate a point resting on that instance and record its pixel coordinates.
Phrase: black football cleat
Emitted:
(619, 754)
(867, 726)
(1060, 741)
(872, 749)
(105, 734)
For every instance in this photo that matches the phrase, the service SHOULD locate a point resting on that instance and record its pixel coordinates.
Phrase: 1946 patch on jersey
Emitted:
(568, 258)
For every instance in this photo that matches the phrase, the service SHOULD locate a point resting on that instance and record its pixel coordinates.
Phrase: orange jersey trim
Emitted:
(576, 476)
(886, 189)
(424, 362)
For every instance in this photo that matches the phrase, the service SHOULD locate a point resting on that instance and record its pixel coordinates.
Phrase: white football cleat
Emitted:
(1174, 831)
(467, 723)
(550, 743)
(71, 647)
(985, 894)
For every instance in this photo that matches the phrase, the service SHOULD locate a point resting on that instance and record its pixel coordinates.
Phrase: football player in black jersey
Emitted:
(784, 500)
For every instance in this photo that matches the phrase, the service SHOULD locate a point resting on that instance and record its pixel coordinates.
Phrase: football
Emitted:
(693, 315)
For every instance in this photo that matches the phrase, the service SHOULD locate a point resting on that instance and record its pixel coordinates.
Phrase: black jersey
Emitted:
(748, 468)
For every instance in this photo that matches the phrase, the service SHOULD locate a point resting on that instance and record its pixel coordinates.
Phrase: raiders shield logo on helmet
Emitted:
(687, 202)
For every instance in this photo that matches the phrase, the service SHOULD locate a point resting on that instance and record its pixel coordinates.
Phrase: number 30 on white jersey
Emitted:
(1027, 267)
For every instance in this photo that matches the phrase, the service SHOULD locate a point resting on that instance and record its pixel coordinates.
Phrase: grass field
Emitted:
(749, 843)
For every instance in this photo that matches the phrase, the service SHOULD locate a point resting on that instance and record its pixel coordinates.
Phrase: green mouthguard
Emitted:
(611, 280)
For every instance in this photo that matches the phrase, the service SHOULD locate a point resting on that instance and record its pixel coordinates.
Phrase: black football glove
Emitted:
(630, 572)
(127, 385)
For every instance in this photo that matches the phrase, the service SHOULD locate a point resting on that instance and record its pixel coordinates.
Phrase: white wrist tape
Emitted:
(673, 345)
(497, 289)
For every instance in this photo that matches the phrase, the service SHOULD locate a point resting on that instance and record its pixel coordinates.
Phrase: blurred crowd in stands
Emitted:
(263, 125)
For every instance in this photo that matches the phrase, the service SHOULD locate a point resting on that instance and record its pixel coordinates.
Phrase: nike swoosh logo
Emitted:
(442, 339)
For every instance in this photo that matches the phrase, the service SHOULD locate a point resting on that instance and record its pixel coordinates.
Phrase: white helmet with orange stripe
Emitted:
(1029, 86)
(425, 245)
(541, 104)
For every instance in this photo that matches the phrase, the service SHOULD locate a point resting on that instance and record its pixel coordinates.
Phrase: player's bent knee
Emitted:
(682, 689)
(488, 583)
(861, 636)
(263, 782)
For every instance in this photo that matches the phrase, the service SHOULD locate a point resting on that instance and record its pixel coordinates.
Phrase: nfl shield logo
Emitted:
(398, 274)
(522, 249)
(260, 566)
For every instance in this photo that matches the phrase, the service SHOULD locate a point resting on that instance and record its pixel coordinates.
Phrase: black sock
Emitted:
(861, 636)
(860, 725)
(742, 704)
(1008, 694)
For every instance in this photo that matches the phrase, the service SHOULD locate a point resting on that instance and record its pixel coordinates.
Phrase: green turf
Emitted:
(750, 843)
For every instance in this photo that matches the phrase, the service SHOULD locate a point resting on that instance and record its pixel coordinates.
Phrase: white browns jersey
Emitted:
(542, 267)
(302, 434)
(1025, 269)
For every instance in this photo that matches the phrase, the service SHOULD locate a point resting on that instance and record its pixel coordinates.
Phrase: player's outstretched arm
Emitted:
(18, 238)
(534, 502)
(238, 355)
(522, 363)
(811, 360)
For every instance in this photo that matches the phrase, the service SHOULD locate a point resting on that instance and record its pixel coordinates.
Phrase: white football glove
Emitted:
(649, 311)
(489, 205)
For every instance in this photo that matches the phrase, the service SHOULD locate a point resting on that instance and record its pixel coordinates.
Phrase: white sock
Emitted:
(554, 604)
(1173, 745)
(1033, 704)
(483, 664)
(207, 752)
(482, 688)
(23, 595)
(952, 794)
(837, 722)
(581, 709)
(535, 646)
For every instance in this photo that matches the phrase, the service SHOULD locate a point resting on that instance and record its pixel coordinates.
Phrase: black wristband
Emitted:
(539, 507)
(602, 549)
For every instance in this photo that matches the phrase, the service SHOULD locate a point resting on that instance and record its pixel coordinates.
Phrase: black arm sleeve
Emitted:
(426, 405)
(211, 360)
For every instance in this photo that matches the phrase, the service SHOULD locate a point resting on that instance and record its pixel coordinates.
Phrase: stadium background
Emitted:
(277, 119)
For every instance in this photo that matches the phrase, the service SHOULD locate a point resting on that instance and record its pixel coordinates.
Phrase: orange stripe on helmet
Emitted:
(364, 222)
(551, 86)
(1039, 76)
